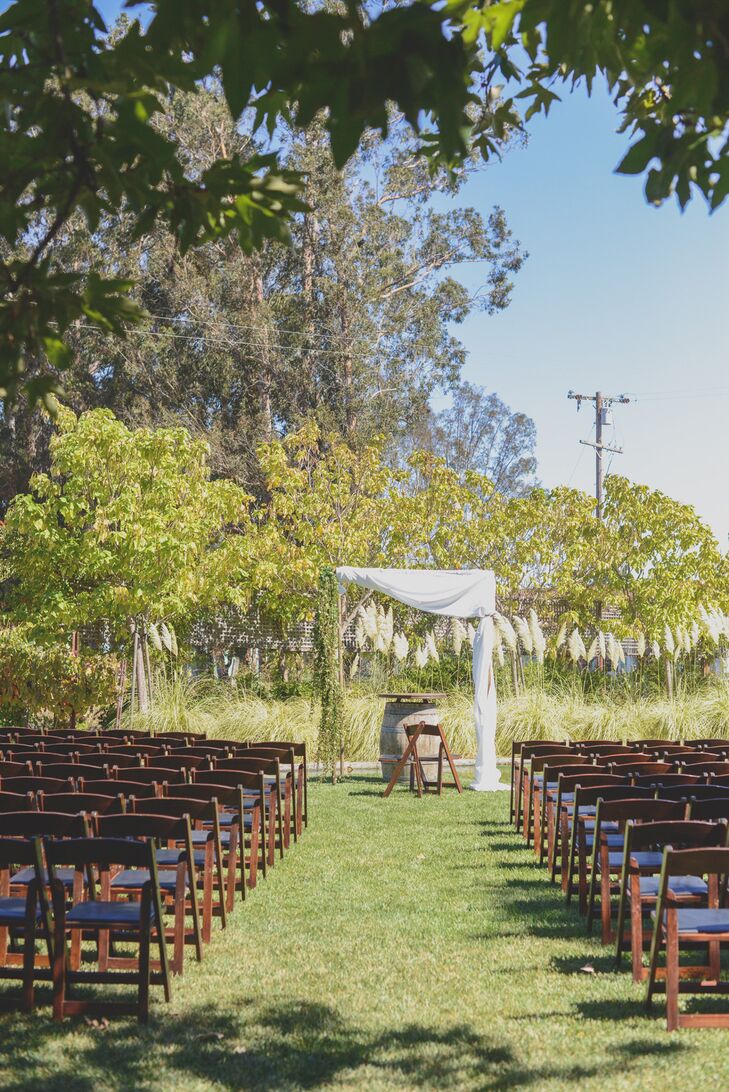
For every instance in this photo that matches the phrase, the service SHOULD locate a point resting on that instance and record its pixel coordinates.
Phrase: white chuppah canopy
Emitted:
(457, 593)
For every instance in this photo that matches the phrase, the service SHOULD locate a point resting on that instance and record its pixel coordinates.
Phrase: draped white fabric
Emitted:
(457, 593)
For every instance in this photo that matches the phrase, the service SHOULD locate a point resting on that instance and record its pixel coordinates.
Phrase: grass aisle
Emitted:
(402, 944)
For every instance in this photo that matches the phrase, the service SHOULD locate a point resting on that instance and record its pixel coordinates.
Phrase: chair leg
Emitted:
(636, 934)
(207, 912)
(592, 893)
(287, 816)
(282, 839)
(144, 962)
(177, 963)
(59, 963)
(220, 880)
(164, 957)
(620, 927)
(255, 853)
(672, 974)
(300, 802)
(28, 995)
(605, 905)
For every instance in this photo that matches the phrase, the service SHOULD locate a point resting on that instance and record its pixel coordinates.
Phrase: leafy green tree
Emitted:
(666, 63)
(327, 505)
(352, 323)
(50, 679)
(654, 559)
(80, 134)
(479, 432)
(126, 528)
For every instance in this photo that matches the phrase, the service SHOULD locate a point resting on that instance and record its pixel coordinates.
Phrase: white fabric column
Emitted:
(456, 593)
(488, 776)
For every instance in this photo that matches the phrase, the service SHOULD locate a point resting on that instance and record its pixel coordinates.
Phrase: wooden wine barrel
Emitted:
(401, 711)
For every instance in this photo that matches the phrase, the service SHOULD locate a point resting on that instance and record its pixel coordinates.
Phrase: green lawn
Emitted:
(403, 944)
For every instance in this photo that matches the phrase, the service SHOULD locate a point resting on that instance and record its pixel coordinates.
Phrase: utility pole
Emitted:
(603, 403)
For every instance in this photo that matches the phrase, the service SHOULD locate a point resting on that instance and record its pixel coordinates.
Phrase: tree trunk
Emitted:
(350, 416)
(266, 364)
(142, 693)
(308, 255)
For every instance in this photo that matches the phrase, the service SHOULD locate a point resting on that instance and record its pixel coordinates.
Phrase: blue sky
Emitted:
(617, 296)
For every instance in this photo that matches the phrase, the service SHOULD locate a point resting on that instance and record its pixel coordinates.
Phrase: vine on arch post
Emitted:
(327, 680)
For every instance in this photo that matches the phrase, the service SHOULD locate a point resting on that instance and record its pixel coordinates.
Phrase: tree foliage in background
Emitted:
(352, 324)
(79, 133)
(666, 63)
(126, 527)
(50, 680)
(327, 683)
(327, 504)
(479, 432)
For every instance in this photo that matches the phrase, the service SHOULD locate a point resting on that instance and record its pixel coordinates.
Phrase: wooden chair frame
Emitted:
(411, 754)
(91, 916)
(683, 833)
(181, 898)
(29, 914)
(619, 811)
(677, 978)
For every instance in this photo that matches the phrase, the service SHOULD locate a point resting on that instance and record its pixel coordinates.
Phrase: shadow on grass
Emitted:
(289, 1046)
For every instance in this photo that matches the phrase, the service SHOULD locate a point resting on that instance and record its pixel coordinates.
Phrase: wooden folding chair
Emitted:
(259, 802)
(628, 759)
(286, 754)
(178, 760)
(15, 769)
(639, 882)
(116, 787)
(23, 916)
(202, 843)
(177, 881)
(161, 775)
(677, 925)
(598, 748)
(530, 763)
(119, 760)
(77, 803)
(578, 833)
(559, 809)
(18, 801)
(708, 744)
(544, 791)
(70, 771)
(520, 747)
(521, 755)
(37, 784)
(278, 821)
(182, 737)
(665, 780)
(299, 750)
(719, 769)
(642, 744)
(136, 921)
(419, 780)
(535, 776)
(696, 790)
(229, 829)
(608, 850)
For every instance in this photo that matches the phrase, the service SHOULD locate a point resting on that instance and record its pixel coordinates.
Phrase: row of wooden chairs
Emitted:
(641, 838)
(142, 854)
